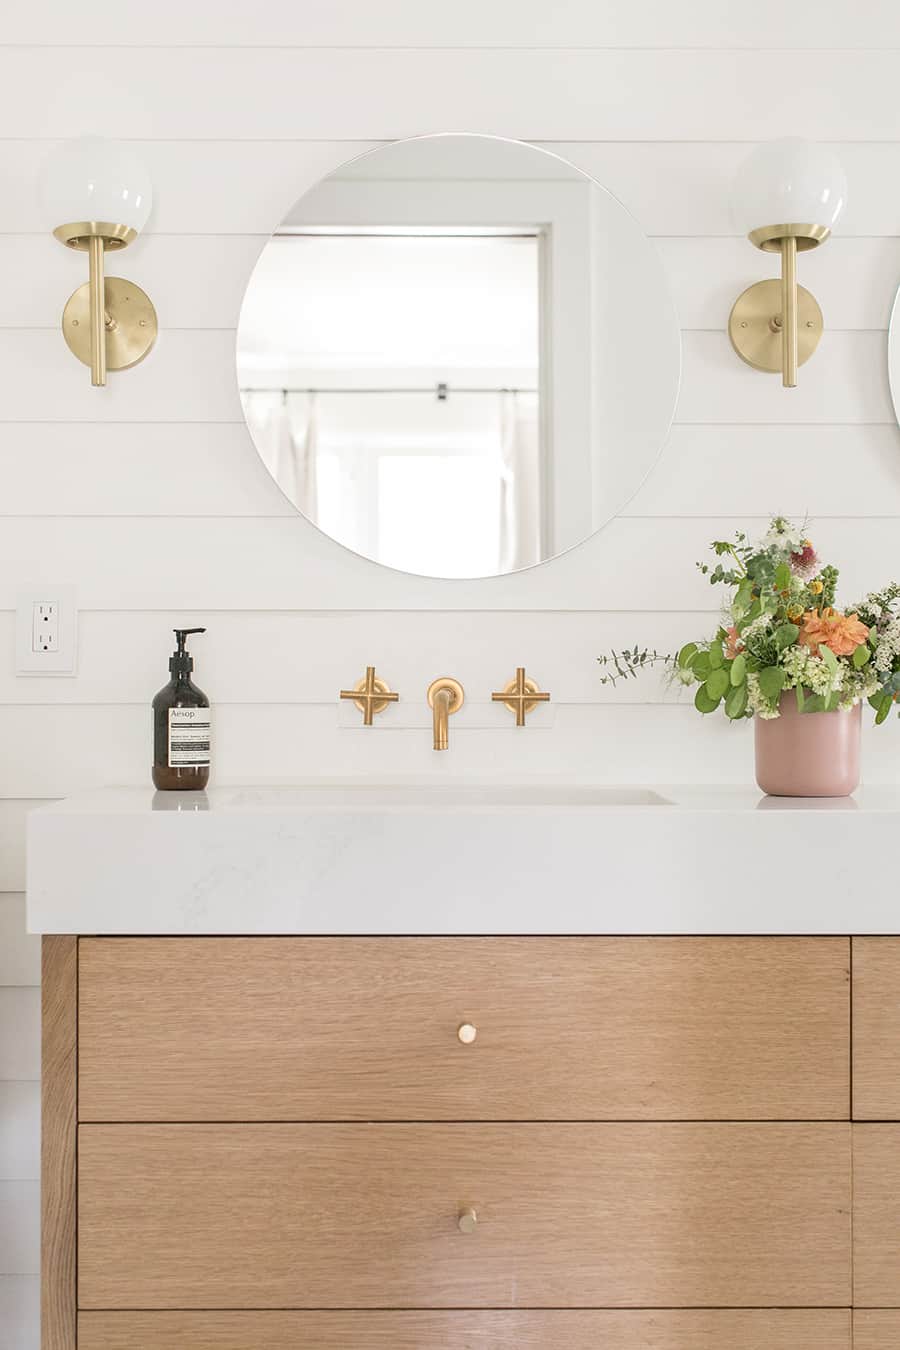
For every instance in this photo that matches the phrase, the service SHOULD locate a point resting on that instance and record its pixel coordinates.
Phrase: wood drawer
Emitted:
(872, 1329)
(876, 1028)
(569, 1215)
(876, 1215)
(194, 1029)
(573, 1330)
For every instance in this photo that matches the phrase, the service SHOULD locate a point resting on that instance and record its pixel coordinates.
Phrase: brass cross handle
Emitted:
(371, 695)
(520, 696)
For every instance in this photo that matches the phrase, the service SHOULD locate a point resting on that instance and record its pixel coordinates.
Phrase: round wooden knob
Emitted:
(467, 1033)
(467, 1221)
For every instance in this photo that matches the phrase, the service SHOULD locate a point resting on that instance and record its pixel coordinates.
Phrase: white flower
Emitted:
(888, 647)
(758, 704)
(783, 536)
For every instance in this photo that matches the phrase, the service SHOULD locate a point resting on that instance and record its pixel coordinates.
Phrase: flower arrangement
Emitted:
(781, 631)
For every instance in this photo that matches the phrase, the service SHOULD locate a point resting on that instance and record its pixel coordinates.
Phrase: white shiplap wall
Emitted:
(148, 496)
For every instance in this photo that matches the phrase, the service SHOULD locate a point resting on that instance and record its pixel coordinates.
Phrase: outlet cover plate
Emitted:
(63, 660)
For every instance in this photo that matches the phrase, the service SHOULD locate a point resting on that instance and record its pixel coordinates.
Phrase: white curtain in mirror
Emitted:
(284, 427)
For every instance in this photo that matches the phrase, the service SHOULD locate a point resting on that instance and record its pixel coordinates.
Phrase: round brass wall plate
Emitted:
(756, 338)
(132, 325)
(454, 688)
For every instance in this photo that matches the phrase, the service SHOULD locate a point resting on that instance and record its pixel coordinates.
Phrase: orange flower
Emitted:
(843, 633)
(733, 643)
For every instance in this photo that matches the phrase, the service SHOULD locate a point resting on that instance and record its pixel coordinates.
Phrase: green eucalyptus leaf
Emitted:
(717, 684)
(884, 709)
(686, 654)
(738, 672)
(736, 702)
(703, 703)
(782, 577)
(716, 657)
(814, 703)
(786, 635)
(829, 658)
(701, 665)
(860, 656)
(771, 682)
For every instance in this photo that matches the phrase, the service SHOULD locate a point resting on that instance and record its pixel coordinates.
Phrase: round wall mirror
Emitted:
(458, 356)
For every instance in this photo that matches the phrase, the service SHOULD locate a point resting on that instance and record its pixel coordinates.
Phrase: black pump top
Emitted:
(181, 662)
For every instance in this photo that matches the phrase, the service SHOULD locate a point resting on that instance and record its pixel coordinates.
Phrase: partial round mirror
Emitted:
(458, 356)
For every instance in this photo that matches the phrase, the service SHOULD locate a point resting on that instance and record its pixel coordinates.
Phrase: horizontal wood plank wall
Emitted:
(366, 1029)
(236, 108)
(782, 1329)
(365, 1216)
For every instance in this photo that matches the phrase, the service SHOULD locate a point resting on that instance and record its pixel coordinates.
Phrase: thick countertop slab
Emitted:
(407, 858)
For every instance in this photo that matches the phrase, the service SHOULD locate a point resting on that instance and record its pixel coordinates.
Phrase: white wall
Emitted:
(149, 497)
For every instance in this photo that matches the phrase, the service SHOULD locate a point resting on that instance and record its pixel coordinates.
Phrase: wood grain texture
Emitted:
(365, 1216)
(58, 1142)
(876, 1028)
(194, 1029)
(782, 1329)
(876, 1216)
(873, 1329)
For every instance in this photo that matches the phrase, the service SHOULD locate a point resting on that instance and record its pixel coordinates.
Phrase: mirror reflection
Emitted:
(432, 363)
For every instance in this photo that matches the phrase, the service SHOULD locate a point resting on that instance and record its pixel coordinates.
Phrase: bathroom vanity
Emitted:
(434, 1068)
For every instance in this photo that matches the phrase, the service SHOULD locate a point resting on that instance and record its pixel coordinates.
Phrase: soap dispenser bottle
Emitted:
(181, 725)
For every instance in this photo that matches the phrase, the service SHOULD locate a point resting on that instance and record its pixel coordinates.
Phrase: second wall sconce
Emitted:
(97, 196)
(788, 195)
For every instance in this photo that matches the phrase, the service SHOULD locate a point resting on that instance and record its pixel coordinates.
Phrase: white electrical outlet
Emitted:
(46, 631)
(45, 626)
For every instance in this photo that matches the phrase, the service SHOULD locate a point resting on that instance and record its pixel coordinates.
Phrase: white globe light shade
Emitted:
(788, 182)
(95, 179)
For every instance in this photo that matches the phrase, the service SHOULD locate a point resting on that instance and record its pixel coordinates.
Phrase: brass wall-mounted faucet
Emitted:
(445, 696)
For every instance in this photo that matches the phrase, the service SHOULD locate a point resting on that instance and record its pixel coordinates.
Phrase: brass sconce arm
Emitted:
(776, 325)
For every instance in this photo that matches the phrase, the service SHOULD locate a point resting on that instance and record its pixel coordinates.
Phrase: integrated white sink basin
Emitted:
(447, 857)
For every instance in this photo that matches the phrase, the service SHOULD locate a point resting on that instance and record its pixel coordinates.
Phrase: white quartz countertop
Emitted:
(448, 858)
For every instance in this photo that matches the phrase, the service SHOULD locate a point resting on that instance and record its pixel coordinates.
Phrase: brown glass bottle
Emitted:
(181, 726)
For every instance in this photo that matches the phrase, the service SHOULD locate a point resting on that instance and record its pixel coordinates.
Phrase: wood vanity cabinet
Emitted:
(435, 1143)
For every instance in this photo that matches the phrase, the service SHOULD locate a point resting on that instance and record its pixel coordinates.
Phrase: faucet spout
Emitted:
(441, 710)
(445, 696)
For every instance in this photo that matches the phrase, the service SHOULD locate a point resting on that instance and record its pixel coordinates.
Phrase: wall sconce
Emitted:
(787, 196)
(97, 196)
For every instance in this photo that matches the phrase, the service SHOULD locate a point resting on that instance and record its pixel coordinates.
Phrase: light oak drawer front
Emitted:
(785, 1329)
(568, 1215)
(876, 1215)
(873, 1329)
(876, 1028)
(193, 1029)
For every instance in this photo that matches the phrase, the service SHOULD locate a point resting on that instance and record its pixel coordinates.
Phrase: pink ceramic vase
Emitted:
(808, 754)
